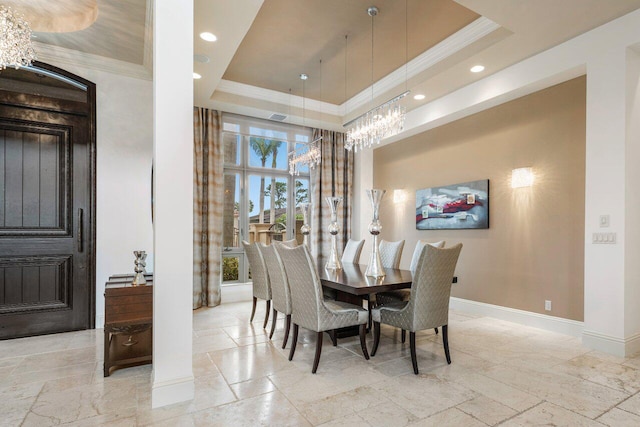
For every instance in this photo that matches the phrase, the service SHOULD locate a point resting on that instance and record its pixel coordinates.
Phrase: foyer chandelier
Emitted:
(16, 49)
(380, 122)
(304, 154)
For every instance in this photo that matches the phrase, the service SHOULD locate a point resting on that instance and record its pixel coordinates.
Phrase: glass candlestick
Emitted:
(333, 263)
(140, 270)
(306, 228)
(375, 269)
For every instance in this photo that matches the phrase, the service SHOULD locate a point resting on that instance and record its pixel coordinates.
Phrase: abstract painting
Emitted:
(458, 206)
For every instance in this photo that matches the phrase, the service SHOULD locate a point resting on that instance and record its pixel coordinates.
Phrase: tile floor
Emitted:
(502, 374)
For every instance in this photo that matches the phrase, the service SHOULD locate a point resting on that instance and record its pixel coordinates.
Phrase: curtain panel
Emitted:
(208, 187)
(333, 178)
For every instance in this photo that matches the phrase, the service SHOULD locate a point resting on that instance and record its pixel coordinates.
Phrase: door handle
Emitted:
(80, 229)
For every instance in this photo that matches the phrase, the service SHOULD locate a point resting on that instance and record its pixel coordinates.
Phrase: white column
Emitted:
(632, 226)
(173, 214)
(604, 286)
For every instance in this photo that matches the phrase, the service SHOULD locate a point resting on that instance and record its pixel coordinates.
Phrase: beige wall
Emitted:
(534, 248)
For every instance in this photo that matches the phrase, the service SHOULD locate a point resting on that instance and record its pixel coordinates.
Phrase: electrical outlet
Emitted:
(547, 305)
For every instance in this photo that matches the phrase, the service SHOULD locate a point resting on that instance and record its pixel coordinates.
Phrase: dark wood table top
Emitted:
(351, 279)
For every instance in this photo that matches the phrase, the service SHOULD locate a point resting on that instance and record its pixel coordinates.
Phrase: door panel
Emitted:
(46, 195)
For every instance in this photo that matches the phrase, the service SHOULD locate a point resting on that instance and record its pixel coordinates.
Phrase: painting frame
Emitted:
(462, 206)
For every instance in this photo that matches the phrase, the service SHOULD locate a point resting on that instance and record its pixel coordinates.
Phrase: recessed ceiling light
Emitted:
(204, 59)
(419, 97)
(209, 37)
(197, 76)
(477, 68)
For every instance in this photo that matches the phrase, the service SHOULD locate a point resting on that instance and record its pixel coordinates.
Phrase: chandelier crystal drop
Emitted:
(382, 122)
(16, 49)
(308, 154)
(386, 119)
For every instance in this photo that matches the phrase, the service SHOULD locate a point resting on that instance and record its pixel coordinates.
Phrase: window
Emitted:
(260, 197)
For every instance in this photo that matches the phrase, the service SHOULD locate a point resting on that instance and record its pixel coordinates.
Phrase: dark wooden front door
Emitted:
(46, 214)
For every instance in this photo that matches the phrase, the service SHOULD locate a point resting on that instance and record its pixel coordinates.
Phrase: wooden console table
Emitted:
(128, 321)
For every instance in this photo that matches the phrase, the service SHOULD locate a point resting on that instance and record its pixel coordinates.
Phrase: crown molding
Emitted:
(269, 95)
(473, 32)
(61, 55)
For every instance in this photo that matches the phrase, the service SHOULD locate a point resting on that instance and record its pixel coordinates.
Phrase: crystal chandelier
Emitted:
(383, 121)
(15, 40)
(303, 153)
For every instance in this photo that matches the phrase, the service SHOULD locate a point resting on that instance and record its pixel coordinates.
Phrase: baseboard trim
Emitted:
(622, 347)
(237, 292)
(165, 393)
(527, 318)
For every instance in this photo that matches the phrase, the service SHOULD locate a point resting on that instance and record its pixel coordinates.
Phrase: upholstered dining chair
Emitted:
(309, 309)
(259, 277)
(403, 294)
(428, 305)
(352, 251)
(280, 293)
(290, 243)
(390, 253)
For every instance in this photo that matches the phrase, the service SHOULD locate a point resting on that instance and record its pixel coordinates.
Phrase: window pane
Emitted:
(267, 153)
(230, 269)
(231, 148)
(263, 227)
(231, 214)
(302, 196)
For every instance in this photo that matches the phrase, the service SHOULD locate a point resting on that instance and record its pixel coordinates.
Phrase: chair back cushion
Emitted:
(280, 294)
(305, 287)
(259, 276)
(390, 253)
(418, 250)
(352, 251)
(431, 288)
(290, 243)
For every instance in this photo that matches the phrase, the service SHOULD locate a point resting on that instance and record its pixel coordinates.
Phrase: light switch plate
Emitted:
(604, 221)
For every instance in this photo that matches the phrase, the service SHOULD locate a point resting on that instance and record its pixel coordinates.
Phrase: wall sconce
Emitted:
(522, 177)
(399, 196)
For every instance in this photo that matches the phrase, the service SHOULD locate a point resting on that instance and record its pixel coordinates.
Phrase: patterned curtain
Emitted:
(334, 177)
(208, 195)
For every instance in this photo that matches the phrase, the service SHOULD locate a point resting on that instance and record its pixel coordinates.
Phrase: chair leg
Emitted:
(436, 329)
(294, 341)
(253, 310)
(363, 340)
(404, 336)
(414, 358)
(286, 331)
(445, 339)
(266, 315)
(370, 304)
(334, 337)
(376, 337)
(274, 319)
(318, 352)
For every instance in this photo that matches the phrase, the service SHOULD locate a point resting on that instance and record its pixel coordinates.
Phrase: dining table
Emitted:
(351, 284)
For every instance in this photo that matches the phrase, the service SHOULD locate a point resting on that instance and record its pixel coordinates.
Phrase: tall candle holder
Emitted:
(140, 270)
(375, 269)
(333, 263)
(306, 228)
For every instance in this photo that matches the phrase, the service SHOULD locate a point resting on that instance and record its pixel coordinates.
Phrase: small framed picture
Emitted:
(471, 199)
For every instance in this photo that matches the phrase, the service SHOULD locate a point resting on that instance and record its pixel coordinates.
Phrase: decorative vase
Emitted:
(306, 228)
(140, 265)
(333, 263)
(374, 269)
